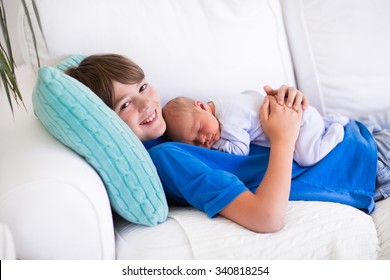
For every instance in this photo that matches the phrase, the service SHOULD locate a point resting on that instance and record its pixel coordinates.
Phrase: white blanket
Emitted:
(313, 230)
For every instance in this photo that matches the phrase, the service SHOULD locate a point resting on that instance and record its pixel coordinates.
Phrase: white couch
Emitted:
(335, 51)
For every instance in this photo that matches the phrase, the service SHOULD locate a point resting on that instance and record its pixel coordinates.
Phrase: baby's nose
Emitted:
(201, 139)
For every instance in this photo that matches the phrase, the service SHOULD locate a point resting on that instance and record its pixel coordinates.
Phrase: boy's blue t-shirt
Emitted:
(209, 180)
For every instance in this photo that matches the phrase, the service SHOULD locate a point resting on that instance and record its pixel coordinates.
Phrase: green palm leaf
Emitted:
(7, 62)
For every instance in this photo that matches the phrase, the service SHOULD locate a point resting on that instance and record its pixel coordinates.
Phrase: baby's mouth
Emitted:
(149, 119)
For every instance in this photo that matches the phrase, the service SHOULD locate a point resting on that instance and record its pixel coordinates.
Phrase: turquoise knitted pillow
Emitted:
(80, 120)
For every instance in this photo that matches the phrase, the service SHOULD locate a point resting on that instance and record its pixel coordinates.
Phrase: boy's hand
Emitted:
(280, 123)
(290, 96)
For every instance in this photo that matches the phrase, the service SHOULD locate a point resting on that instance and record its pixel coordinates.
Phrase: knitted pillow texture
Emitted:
(73, 114)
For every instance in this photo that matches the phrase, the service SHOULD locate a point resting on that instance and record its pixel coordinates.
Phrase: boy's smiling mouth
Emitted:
(151, 118)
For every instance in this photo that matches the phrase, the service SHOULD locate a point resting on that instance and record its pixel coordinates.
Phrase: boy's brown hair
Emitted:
(99, 71)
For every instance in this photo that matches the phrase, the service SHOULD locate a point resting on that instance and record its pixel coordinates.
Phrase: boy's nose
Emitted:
(143, 103)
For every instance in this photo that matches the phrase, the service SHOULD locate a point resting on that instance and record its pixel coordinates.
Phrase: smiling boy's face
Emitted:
(139, 106)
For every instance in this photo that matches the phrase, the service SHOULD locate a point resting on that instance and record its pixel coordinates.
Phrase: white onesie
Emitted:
(240, 126)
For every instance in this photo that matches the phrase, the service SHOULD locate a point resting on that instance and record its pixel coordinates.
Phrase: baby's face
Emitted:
(200, 128)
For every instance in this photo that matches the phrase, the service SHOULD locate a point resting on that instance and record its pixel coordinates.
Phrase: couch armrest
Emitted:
(54, 203)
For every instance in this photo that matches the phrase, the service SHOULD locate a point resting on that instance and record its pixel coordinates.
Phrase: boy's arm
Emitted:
(264, 210)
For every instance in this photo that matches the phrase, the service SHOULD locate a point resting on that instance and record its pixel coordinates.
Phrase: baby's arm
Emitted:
(233, 141)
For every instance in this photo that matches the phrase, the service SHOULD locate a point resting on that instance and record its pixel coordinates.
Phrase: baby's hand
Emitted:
(290, 96)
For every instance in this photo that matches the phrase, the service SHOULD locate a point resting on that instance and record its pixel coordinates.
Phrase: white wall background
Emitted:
(12, 11)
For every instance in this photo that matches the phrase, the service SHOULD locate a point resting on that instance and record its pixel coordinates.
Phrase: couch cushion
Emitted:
(341, 53)
(381, 218)
(79, 119)
(7, 248)
(312, 230)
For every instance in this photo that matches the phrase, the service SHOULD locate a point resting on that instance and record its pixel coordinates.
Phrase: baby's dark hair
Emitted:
(99, 71)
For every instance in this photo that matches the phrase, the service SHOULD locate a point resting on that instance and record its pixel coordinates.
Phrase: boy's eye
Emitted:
(125, 105)
(143, 87)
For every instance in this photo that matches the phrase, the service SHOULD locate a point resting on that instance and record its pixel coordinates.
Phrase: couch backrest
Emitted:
(199, 48)
(341, 53)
